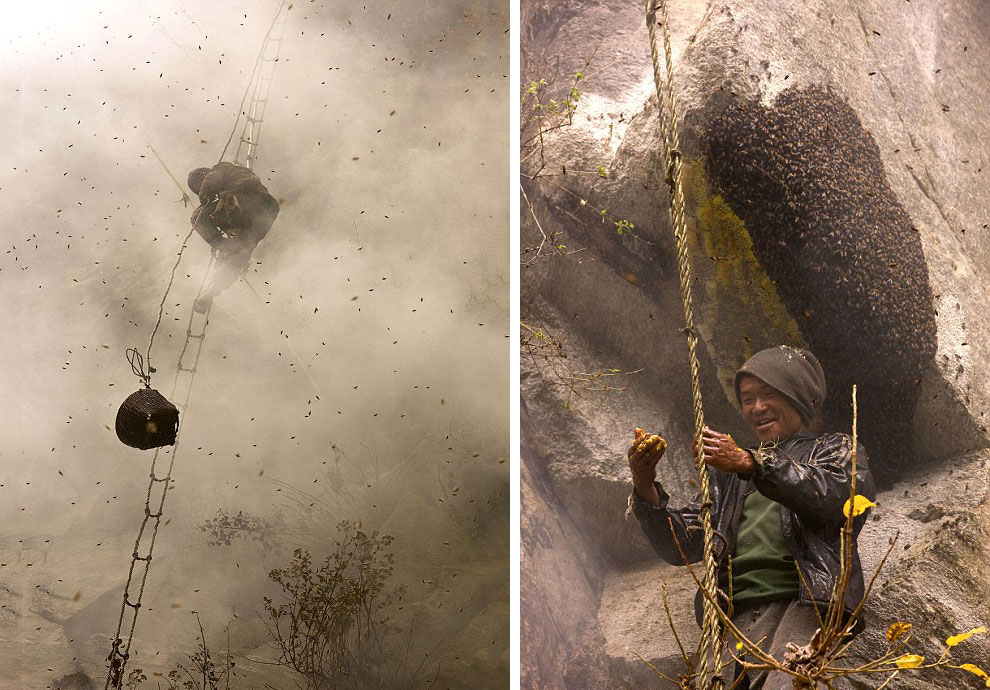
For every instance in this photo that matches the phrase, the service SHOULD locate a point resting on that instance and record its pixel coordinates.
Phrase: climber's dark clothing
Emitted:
(808, 474)
(776, 623)
(235, 213)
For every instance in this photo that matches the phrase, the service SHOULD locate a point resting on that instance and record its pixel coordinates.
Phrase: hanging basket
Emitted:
(147, 420)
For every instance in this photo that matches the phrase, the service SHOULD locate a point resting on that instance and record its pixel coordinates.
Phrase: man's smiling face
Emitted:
(768, 411)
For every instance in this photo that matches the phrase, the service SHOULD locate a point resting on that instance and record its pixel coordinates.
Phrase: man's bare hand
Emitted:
(722, 453)
(644, 454)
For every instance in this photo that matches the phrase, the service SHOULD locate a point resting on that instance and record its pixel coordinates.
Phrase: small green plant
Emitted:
(535, 87)
(548, 106)
(546, 351)
(623, 225)
(553, 108)
(223, 529)
(203, 672)
(331, 624)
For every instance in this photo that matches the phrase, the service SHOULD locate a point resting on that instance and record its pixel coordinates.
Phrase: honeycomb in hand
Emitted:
(646, 441)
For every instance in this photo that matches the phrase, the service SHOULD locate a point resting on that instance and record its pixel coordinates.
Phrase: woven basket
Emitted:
(147, 420)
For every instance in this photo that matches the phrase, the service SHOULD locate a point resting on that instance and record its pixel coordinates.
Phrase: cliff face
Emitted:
(836, 182)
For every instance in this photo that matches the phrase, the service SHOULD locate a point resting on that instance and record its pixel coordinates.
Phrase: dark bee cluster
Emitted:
(807, 181)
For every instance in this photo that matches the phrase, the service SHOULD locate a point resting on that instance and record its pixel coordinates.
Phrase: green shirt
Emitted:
(763, 568)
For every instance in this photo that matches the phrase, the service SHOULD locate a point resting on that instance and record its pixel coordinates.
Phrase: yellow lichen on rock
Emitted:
(737, 310)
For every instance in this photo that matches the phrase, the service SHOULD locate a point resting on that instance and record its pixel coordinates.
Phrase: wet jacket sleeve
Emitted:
(203, 224)
(814, 485)
(227, 177)
(216, 181)
(687, 527)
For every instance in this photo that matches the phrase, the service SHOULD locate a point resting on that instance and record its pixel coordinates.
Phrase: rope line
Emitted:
(182, 190)
(137, 366)
(708, 663)
(240, 111)
(121, 646)
(254, 71)
(117, 657)
(266, 62)
(168, 288)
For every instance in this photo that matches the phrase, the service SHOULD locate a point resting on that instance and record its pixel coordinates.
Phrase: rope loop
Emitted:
(136, 361)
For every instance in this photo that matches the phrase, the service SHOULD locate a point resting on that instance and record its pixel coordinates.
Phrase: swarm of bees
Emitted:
(809, 183)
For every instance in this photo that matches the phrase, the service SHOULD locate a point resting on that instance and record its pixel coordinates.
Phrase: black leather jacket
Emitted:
(809, 475)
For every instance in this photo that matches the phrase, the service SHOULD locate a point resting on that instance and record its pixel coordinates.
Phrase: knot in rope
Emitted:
(136, 361)
(674, 161)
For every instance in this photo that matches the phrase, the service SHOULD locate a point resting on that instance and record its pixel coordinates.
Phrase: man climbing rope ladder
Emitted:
(235, 213)
(774, 508)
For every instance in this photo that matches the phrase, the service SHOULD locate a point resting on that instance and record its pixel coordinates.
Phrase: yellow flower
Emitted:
(858, 505)
(956, 639)
(909, 661)
(896, 630)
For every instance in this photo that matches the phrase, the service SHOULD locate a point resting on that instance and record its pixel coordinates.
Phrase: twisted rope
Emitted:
(137, 366)
(121, 646)
(708, 663)
(168, 288)
(251, 81)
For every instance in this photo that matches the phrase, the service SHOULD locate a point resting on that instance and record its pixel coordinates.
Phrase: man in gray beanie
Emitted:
(779, 507)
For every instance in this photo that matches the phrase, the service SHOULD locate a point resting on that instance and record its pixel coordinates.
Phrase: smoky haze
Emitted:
(360, 373)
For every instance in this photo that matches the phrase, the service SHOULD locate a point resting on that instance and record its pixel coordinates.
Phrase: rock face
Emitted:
(836, 181)
(807, 181)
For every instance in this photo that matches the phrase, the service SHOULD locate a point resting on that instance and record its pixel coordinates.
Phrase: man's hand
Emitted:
(644, 454)
(722, 453)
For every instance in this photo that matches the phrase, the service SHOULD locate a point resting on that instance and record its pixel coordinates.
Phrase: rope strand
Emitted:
(168, 288)
(137, 366)
(251, 81)
(707, 666)
(118, 658)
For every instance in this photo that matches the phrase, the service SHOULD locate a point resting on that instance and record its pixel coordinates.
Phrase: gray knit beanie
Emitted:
(795, 373)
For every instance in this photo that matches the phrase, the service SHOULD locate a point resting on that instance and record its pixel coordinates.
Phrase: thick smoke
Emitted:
(359, 373)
